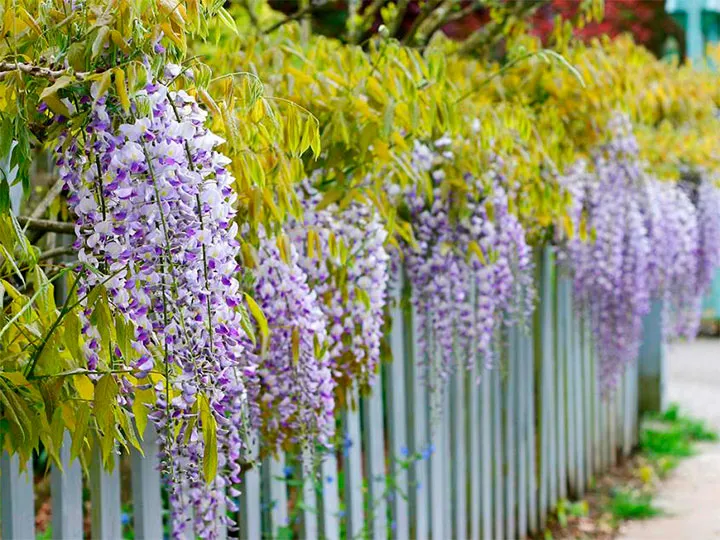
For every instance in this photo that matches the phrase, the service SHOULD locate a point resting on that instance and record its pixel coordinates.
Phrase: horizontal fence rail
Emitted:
(509, 444)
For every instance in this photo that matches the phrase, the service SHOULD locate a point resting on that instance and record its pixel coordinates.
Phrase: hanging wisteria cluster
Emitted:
(292, 392)
(467, 274)
(650, 240)
(343, 254)
(154, 208)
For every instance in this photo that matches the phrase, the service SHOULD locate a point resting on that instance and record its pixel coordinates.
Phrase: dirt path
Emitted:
(690, 498)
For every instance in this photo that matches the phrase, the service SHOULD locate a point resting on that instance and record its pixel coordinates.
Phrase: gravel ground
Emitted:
(690, 497)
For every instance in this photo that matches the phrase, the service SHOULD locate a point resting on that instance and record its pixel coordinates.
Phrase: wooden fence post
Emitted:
(652, 362)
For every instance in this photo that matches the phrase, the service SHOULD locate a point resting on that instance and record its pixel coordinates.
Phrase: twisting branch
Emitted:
(37, 71)
(50, 196)
(427, 9)
(400, 9)
(46, 225)
(450, 17)
(56, 252)
(487, 35)
(299, 14)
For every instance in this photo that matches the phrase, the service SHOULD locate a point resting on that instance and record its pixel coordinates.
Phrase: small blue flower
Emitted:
(287, 471)
(329, 479)
(428, 451)
(341, 513)
(124, 518)
(404, 451)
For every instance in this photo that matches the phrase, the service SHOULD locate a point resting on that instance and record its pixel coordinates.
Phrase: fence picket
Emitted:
(475, 458)
(105, 497)
(250, 515)
(510, 454)
(418, 400)
(352, 466)
(330, 517)
(145, 477)
(310, 503)
(458, 452)
(397, 416)
(531, 429)
(375, 459)
(498, 473)
(561, 359)
(521, 434)
(66, 493)
(485, 447)
(275, 481)
(16, 495)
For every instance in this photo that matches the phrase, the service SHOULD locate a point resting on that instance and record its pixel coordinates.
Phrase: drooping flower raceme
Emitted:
(611, 273)
(343, 254)
(292, 391)
(468, 274)
(154, 210)
(648, 243)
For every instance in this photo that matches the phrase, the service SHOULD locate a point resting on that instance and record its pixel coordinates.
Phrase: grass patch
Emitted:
(632, 504)
(666, 437)
(626, 492)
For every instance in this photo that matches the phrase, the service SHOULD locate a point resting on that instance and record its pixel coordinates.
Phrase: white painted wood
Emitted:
(397, 416)
(417, 382)
(474, 458)
(510, 425)
(277, 491)
(310, 502)
(523, 374)
(458, 452)
(250, 514)
(486, 454)
(330, 517)
(374, 439)
(561, 358)
(17, 498)
(66, 493)
(498, 473)
(105, 497)
(145, 477)
(532, 483)
(352, 467)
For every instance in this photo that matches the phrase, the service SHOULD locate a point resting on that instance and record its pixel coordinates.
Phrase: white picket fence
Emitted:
(533, 432)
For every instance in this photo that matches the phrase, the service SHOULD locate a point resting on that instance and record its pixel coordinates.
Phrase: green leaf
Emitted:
(209, 429)
(82, 421)
(259, 317)
(59, 84)
(106, 392)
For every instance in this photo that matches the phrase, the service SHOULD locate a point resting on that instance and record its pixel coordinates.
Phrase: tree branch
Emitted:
(56, 252)
(46, 225)
(37, 71)
(50, 196)
(299, 14)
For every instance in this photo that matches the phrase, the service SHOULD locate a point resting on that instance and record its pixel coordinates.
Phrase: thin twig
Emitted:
(50, 196)
(37, 71)
(56, 252)
(46, 225)
(424, 14)
(295, 16)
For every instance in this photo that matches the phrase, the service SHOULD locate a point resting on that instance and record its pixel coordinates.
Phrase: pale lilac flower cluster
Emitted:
(468, 274)
(349, 271)
(292, 393)
(648, 243)
(154, 207)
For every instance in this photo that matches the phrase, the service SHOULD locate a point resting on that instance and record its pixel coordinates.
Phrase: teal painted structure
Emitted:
(701, 20)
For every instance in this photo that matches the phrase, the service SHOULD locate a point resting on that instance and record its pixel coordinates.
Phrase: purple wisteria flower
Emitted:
(470, 273)
(348, 269)
(155, 217)
(292, 392)
(649, 241)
